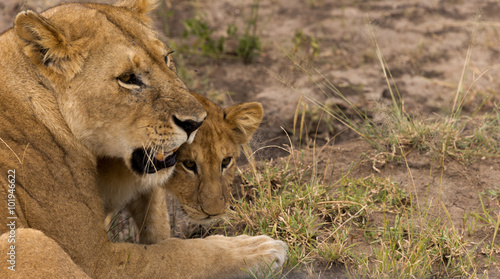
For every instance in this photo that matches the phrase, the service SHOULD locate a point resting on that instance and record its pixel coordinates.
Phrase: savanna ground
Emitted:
(378, 156)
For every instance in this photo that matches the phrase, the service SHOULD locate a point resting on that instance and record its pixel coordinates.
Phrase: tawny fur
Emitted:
(62, 109)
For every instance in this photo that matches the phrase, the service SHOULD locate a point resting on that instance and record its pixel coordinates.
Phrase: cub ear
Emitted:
(46, 44)
(139, 6)
(244, 119)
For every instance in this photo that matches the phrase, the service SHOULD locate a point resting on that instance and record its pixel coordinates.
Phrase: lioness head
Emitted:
(114, 81)
(206, 167)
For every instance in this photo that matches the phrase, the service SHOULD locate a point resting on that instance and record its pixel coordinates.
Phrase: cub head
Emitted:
(114, 82)
(205, 168)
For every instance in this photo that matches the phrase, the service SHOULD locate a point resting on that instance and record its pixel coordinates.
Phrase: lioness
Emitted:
(201, 178)
(81, 82)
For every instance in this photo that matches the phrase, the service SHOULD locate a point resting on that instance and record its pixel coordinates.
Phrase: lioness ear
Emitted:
(46, 44)
(138, 6)
(244, 119)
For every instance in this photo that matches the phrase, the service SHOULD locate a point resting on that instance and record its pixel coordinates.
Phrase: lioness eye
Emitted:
(190, 165)
(225, 162)
(129, 81)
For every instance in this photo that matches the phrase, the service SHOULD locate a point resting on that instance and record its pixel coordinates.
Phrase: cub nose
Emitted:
(188, 125)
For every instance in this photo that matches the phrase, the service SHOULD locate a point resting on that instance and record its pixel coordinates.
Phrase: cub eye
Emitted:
(130, 81)
(190, 165)
(225, 162)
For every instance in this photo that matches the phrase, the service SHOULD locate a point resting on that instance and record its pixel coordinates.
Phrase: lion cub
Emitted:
(203, 174)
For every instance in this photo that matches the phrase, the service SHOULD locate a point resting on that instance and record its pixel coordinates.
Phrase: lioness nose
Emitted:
(188, 126)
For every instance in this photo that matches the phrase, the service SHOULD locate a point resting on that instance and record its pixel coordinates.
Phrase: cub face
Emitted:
(114, 81)
(205, 169)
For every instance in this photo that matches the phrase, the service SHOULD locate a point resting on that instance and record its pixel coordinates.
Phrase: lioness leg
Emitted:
(211, 257)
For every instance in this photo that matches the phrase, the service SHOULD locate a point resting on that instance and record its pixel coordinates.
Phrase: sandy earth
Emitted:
(424, 44)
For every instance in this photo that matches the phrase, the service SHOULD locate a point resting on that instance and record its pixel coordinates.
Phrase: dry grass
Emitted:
(291, 200)
(326, 221)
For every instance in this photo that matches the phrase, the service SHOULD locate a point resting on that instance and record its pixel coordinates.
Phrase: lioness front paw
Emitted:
(257, 255)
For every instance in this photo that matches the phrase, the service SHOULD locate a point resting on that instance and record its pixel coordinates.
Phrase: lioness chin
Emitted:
(80, 82)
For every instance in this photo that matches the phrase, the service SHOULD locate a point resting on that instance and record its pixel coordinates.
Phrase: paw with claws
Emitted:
(256, 255)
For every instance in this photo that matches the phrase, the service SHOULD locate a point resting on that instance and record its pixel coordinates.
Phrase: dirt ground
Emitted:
(424, 44)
